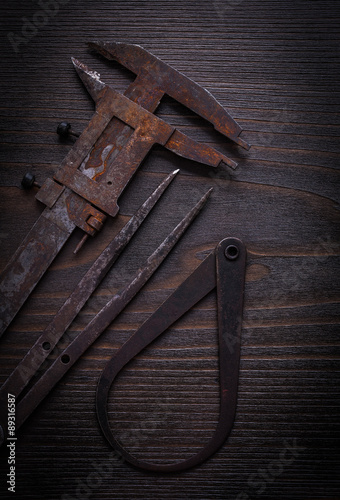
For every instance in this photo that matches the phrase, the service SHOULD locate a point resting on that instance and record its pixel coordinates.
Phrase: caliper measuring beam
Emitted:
(86, 187)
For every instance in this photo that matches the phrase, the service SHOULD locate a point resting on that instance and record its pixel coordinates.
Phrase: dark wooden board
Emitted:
(274, 65)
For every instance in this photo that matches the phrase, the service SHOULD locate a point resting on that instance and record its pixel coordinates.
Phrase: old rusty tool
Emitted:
(89, 181)
(99, 323)
(224, 269)
(44, 345)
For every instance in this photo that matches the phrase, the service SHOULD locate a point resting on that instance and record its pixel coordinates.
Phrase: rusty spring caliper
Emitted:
(85, 190)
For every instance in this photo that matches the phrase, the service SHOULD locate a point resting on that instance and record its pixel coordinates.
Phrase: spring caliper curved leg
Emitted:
(224, 269)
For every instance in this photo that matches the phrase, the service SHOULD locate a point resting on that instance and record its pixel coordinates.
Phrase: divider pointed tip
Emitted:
(207, 194)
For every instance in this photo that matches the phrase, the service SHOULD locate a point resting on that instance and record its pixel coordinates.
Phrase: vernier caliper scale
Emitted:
(89, 181)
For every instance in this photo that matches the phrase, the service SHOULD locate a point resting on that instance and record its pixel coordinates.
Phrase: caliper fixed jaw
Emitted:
(178, 142)
(97, 156)
(173, 83)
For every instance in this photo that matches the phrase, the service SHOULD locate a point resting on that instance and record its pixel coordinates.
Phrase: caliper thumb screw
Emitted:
(64, 130)
(28, 181)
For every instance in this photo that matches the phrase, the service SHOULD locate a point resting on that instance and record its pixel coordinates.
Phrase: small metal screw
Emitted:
(28, 181)
(81, 243)
(64, 130)
(231, 252)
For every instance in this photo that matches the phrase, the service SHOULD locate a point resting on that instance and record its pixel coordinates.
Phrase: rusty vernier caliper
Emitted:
(89, 181)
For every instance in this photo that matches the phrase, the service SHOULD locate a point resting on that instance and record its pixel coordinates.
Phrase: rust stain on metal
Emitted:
(101, 321)
(123, 129)
(87, 285)
(83, 192)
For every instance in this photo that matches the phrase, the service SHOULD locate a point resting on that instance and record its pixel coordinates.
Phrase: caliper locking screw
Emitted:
(95, 224)
(28, 181)
(64, 130)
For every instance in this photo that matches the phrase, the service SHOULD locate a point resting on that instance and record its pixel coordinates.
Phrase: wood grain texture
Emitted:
(274, 65)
